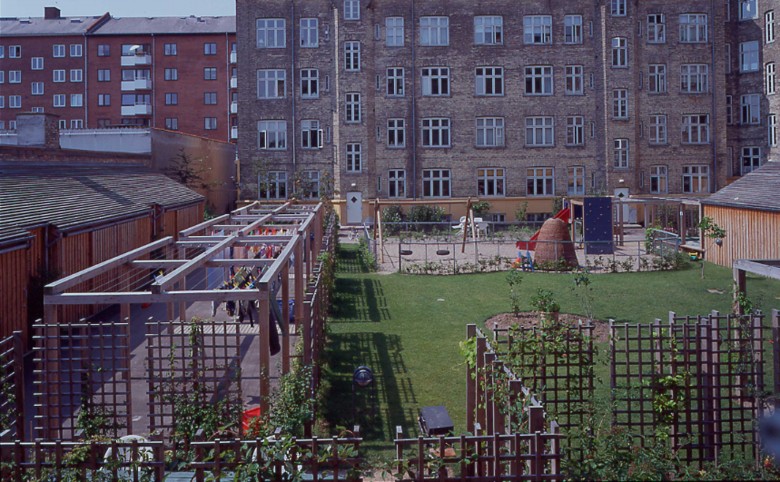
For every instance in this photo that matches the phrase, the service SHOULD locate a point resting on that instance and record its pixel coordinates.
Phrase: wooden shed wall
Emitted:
(15, 268)
(750, 234)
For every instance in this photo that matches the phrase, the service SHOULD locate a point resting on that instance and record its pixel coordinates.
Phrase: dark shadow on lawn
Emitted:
(349, 262)
(359, 301)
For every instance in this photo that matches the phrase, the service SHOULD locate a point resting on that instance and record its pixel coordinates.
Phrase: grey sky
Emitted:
(125, 8)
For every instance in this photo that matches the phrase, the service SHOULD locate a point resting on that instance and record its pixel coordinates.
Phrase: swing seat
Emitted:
(406, 252)
(442, 252)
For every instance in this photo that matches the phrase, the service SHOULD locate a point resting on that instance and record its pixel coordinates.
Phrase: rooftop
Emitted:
(756, 190)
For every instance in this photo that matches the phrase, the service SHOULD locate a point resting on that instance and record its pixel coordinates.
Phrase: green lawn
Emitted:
(407, 329)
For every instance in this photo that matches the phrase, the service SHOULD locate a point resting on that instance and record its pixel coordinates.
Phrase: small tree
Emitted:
(710, 230)
(514, 278)
(185, 170)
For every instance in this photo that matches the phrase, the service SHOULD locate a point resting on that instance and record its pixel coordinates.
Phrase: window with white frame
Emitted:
(771, 124)
(351, 9)
(729, 110)
(311, 184)
(434, 31)
(271, 33)
(575, 79)
(58, 50)
(36, 63)
(354, 157)
(539, 131)
(770, 77)
(748, 56)
(537, 29)
(2, 76)
(36, 88)
(620, 104)
(658, 131)
(172, 123)
(656, 28)
(59, 100)
(436, 81)
(310, 83)
(170, 49)
(490, 131)
(15, 101)
(77, 123)
(311, 134)
(659, 182)
(272, 135)
(695, 129)
(620, 154)
(103, 50)
(395, 82)
(352, 108)
(572, 29)
(394, 31)
(540, 181)
(538, 80)
(436, 132)
(694, 78)
(76, 50)
(750, 109)
(271, 84)
(76, 100)
(748, 9)
(488, 30)
(274, 186)
(310, 34)
(656, 79)
(693, 28)
(76, 75)
(352, 56)
(619, 52)
(490, 181)
(436, 183)
(618, 8)
(750, 159)
(14, 51)
(396, 133)
(575, 130)
(104, 99)
(396, 186)
(14, 76)
(769, 26)
(489, 81)
(2, 103)
(696, 178)
(575, 176)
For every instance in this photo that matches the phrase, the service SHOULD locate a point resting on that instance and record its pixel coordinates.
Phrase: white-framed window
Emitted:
(620, 104)
(769, 26)
(659, 181)
(729, 110)
(434, 31)
(658, 131)
(59, 100)
(695, 129)
(15, 101)
(656, 28)
(488, 30)
(76, 100)
(537, 29)
(170, 49)
(36, 88)
(396, 133)
(76, 75)
(103, 50)
(575, 79)
(36, 63)
(576, 180)
(750, 109)
(575, 130)
(490, 81)
(311, 184)
(771, 124)
(770, 77)
(539, 80)
(394, 31)
(395, 82)
(352, 108)
(271, 33)
(171, 98)
(491, 182)
(619, 52)
(696, 178)
(310, 83)
(540, 131)
(694, 78)
(351, 9)
(58, 50)
(490, 131)
(310, 33)
(76, 50)
(748, 9)
(620, 154)
(354, 157)
(14, 76)
(693, 28)
(436, 132)
(750, 159)
(172, 123)
(617, 8)
(77, 123)
(436, 183)
(352, 56)
(274, 186)
(2, 104)
(572, 29)
(540, 181)
(2, 76)
(396, 185)
(104, 99)
(170, 73)
(311, 134)
(272, 135)
(271, 84)
(14, 51)
(656, 79)
(436, 81)
(748, 56)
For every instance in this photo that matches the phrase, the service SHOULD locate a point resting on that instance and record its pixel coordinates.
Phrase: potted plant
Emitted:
(544, 303)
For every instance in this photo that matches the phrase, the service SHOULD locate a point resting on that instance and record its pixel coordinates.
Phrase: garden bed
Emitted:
(531, 319)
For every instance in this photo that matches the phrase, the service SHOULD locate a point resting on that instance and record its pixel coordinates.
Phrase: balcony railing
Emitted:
(132, 60)
(234, 82)
(137, 84)
(234, 132)
(138, 109)
(233, 57)
(234, 107)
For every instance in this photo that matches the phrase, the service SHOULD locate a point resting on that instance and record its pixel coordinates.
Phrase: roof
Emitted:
(168, 25)
(26, 27)
(756, 190)
(72, 196)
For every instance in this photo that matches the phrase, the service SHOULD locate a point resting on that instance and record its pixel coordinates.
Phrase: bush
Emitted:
(426, 214)
(393, 215)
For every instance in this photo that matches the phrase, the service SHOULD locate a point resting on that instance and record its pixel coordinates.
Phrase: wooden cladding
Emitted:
(750, 234)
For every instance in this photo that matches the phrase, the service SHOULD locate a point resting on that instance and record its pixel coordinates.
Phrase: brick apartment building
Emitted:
(503, 100)
(164, 72)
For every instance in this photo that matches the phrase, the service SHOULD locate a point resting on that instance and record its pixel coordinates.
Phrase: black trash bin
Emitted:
(435, 421)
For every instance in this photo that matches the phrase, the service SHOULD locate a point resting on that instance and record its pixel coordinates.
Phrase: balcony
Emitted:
(137, 84)
(234, 132)
(133, 60)
(233, 57)
(138, 109)
(234, 82)
(234, 107)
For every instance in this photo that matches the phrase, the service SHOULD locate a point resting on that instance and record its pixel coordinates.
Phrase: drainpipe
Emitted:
(293, 143)
(85, 53)
(153, 99)
(714, 140)
(414, 102)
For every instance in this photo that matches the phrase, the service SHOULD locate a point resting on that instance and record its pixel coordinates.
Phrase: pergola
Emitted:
(763, 267)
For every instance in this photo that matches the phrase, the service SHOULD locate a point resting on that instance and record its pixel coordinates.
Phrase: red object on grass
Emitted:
(530, 245)
(248, 416)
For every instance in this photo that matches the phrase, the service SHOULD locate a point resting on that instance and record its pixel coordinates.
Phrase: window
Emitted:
(436, 132)
(656, 28)
(351, 9)
(58, 50)
(540, 181)
(490, 131)
(537, 29)
(76, 123)
(352, 56)
(695, 129)
(750, 109)
(271, 33)
(750, 160)
(659, 183)
(210, 98)
(104, 75)
(311, 184)
(619, 52)
(395, 82)
(694, 78)
(618, 8)
(396, 186)
(770, 77)
(576, 180)
(14, 76)
(620, 104)
(436, 81)
(620, 154)
(104, 99)
(76, 100)
(14, 51)
(2, 76)
(171, 98)
(490, 81)
(310, 36)
(729, 110)
(693, 28)
(769, 26)
(572, 29)
(696, 178)
(36, 88)
(396, 133)
(271, 84)
(436, 182)
(59, 100)
(394, 31)
(272, 135)
(748, 9)
(748, 56)
(658, 129)
(311, 134)
(575, 130)
(539, 131)
(538, 80)
(656, 79)
(209, 48)
(172, 123)
(170, 50)
(275, 186)
(171, 74)
(354, 157)
(771, 122)
(103, 50)
(491, 182)
(574, 80)
(76, 50)
(434, 31)
(15, 101)
(210, 73)
(310, 83)
(76, 75)
(352, 108)
(488, 30)
(36, 63)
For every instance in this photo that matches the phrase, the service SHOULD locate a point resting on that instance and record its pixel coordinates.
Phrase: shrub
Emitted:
(426, 214)
(392, 214)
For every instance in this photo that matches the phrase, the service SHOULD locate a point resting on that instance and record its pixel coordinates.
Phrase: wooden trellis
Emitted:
(12, 387)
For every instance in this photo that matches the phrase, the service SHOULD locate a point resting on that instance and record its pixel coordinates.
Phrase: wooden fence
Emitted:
(12, 386)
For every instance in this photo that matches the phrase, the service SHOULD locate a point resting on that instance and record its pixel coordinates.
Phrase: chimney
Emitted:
(51, 13)
(34, 129)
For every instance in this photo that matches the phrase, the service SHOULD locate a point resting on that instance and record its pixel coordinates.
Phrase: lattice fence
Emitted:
(12, 387)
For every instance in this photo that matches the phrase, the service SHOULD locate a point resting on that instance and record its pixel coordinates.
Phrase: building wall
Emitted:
(750, 234)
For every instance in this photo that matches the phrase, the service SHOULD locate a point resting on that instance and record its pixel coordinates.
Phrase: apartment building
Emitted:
(501, 99)
(175, 73)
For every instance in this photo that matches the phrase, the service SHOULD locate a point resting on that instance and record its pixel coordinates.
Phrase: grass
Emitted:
(407, 329)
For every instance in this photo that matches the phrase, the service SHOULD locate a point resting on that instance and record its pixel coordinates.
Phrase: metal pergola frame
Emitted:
(763, 267)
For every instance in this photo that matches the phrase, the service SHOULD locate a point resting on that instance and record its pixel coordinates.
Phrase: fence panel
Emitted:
(12, 387)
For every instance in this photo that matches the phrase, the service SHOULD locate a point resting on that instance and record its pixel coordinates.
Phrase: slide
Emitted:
(530, 245)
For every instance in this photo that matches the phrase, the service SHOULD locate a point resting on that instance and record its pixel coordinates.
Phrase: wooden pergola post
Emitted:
(263, 314)
(285, 321)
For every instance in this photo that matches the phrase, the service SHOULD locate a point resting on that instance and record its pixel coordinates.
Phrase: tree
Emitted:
(185, 170)
(710, 230)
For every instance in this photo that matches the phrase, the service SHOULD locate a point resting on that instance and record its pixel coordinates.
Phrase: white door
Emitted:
(354, 207)
(629, 210)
